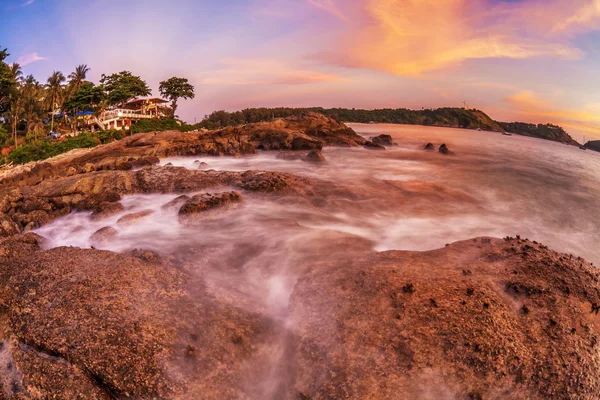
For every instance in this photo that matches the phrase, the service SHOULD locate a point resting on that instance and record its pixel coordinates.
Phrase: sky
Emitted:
(518, 60)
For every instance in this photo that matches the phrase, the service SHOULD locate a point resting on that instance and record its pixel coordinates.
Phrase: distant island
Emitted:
(442, 117)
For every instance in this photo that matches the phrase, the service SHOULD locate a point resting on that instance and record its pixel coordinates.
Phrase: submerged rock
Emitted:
(429, 146)
(130, 219)
(176, 203)
(384, 140)
(445, 150)
(104, 235)
(373, 146)
(290, 155)
(315, 156)
(202, 203)
(106, 210)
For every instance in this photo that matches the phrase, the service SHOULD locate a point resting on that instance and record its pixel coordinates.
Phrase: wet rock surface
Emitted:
(484, 318)
(374, 146)
(199, 205)
(315, 156)
(384, 140)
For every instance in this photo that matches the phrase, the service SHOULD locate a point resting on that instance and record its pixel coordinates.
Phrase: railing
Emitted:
(121, 112)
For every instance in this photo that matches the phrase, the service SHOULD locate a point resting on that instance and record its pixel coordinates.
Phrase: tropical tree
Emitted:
(122, 87)
(13, 99)
(6, 80)
(77, 78)
(55, 91)
(33, 94)
(174, 89)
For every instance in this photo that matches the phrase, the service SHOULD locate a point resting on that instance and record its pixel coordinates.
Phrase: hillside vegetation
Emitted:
(443, 117)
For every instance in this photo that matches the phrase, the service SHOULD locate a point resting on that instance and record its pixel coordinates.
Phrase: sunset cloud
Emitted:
(531, 106)
(412, 37)
(29, 58)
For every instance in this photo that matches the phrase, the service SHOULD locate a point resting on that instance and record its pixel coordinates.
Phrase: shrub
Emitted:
(48, 148)
(152, 125)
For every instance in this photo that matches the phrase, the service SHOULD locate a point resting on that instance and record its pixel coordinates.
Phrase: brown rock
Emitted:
(198, 205)
(429, 146)
(314, 156)
(362, 334)
(8, 227)
(104, 235)
(373, 146)
(106, 210)
(445, 150)
(384, 140)
(176, 203)
(130, 219)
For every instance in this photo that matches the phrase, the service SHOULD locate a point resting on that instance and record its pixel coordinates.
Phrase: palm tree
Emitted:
(15, 108)
(33, 95)
(55, 92)
(77, 77)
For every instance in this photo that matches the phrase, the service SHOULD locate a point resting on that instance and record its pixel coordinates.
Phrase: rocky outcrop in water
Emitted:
(310, 132)
(384, 140)
(484, 318)
(100, 192)
(373, 146)
(201, 204)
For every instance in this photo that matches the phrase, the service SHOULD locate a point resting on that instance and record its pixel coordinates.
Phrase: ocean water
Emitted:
(404, 198)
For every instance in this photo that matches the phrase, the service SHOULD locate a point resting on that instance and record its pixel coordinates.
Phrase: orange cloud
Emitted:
(412, 37)
(585, 120)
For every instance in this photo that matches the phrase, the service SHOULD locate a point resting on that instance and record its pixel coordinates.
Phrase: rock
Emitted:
(106, 210)
(176, 203)
(104, 235)
(390, 324)
(168, 165)
(130, 219)
(36, 217)
(314, 156)
(430, 147)
(199, 204)
(8, 227)
(444, 150)
(202, 165)
(373, 146)
(89, 324)
(384, 140)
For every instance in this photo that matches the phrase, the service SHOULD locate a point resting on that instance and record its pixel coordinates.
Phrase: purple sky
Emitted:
(530, 60)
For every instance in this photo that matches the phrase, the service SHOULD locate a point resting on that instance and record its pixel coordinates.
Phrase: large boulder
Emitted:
(83, 323)
(384, 140)
(484, 318)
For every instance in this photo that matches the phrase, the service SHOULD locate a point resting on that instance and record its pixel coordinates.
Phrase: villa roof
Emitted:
(157, 100)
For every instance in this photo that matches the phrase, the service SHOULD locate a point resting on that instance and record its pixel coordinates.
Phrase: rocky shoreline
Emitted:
(482, 318)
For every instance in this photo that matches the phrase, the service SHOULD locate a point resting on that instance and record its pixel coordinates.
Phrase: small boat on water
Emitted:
(507, 134)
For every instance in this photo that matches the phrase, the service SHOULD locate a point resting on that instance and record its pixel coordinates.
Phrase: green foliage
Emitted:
(121, 87)
(110, 136)
(175, 89)
(4, 136)
(88, 97)
(547, 131)
(48, 148)
(152, 125)
(457, 117)
(8, 82)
